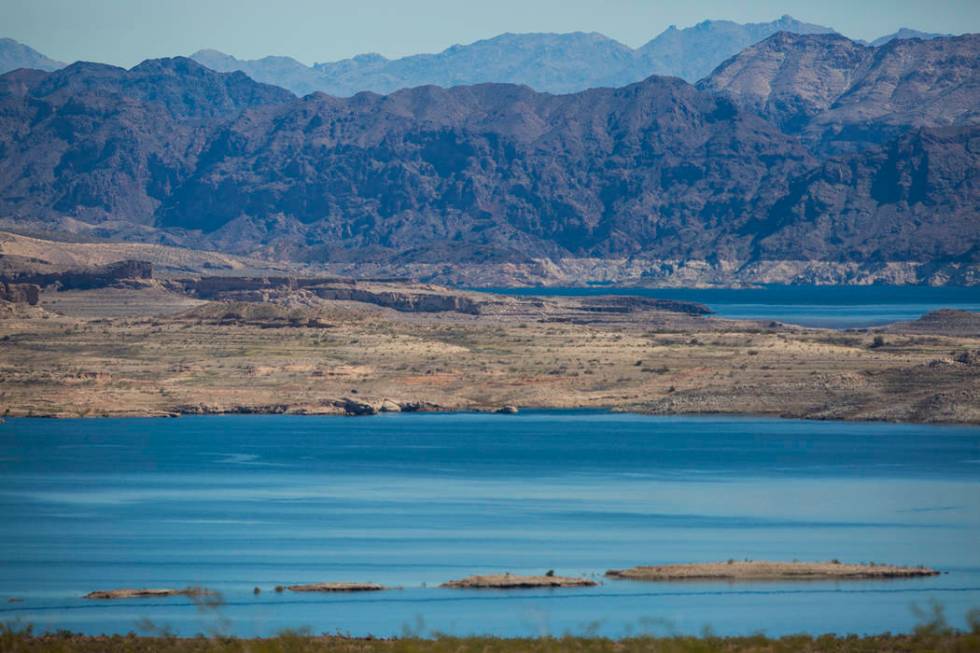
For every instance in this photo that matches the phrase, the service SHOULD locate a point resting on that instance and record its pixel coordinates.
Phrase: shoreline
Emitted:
(523, 410)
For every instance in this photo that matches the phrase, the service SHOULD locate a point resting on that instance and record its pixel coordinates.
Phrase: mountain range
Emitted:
(555, 63)
(800, 148)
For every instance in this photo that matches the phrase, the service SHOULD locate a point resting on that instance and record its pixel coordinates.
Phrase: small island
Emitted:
(143, 593)
(766, 570)
(337, 587)
(511, 581)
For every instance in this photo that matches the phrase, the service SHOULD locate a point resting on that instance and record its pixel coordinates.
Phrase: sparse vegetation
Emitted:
(94, 361)
(934, 635)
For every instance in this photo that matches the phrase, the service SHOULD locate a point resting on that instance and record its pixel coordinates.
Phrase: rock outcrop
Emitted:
(20, 293)
(412, 302)
(405, 298)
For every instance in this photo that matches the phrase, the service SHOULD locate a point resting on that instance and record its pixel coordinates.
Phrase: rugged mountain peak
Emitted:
(693, 52)
(817, 84)
(791, 76)
(181, 85)
(178, 64)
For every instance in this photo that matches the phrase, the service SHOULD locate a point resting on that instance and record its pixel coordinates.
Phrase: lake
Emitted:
(235, 502)
(838, 307)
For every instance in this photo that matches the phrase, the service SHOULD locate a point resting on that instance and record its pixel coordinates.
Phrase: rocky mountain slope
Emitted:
(744, 169)
(834, 90)
(99, 142)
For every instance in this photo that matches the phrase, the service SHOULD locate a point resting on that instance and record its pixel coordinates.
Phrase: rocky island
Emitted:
(512, 581)
(337, 587)
(143, 593)
(765, 570)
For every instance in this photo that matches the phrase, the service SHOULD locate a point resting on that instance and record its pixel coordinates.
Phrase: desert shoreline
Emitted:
(523, 410)
(146, 347)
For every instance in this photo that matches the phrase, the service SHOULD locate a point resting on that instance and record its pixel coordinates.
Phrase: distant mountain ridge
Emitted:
(802, 148)
(904, 34)
(555, 63)
(14, 55)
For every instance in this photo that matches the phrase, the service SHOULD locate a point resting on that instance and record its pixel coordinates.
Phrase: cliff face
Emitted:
(88, 278)
(801, 148)
(20, 293)
(406, 299)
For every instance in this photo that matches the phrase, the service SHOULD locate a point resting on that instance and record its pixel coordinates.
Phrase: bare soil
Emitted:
(150, 351)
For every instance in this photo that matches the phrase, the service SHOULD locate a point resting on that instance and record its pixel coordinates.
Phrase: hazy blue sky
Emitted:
(125, 32)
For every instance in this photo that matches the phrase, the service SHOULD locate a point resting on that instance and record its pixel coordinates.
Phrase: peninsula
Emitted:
(167, 336)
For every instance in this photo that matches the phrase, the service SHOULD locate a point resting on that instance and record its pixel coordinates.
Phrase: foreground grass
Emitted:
(932, 637)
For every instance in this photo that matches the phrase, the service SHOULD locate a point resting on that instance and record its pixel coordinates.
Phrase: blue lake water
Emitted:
(837, 307)
(414, 500)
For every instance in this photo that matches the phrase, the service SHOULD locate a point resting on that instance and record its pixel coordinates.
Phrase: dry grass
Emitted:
(935, 637)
